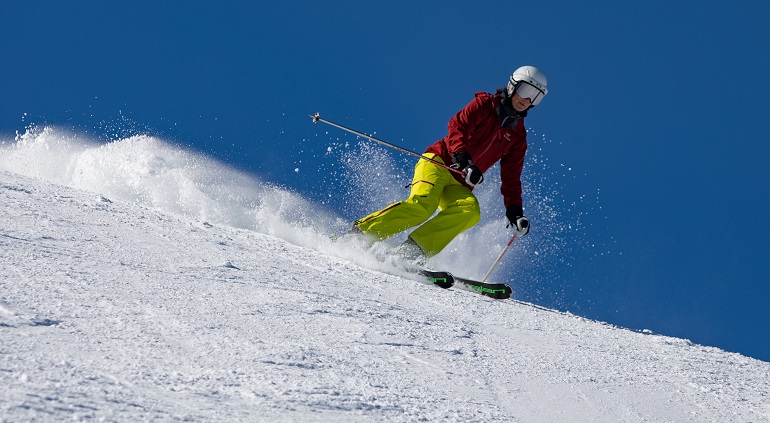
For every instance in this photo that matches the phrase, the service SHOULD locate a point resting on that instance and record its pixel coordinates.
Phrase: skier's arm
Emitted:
(461, 126)
(511, 166)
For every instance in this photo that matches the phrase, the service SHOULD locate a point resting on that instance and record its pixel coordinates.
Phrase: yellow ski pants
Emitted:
(433, 187)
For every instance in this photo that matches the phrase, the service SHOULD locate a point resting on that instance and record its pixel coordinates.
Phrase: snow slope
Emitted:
(114, 310)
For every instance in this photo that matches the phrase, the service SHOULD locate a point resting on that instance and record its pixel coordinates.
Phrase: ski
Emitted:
(443, 279)
(499, 291)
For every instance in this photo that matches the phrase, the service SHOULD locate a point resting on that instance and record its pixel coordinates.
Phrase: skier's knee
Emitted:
(472, 217)
(422, 207)
(471, 210)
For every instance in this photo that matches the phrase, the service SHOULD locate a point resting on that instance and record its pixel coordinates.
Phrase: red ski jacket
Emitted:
(478, 131)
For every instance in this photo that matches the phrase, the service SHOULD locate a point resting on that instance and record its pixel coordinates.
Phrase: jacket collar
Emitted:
(508, 116)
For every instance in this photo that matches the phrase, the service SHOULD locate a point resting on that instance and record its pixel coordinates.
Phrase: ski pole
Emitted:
(317, 118)
(500, 257)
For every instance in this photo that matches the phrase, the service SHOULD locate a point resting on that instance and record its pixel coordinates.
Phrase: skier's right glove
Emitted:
(473, 175)
(515, 215)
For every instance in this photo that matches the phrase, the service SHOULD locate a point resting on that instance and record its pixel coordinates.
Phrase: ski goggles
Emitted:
(527, 90)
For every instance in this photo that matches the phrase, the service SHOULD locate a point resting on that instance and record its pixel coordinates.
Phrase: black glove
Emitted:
(463, 162)
(515, 215)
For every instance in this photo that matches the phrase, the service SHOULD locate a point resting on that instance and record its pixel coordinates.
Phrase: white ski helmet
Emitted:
(532, 76)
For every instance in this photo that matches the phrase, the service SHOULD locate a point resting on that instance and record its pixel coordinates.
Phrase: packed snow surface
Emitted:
(118, 302)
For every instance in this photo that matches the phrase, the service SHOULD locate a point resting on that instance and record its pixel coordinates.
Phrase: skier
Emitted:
(489, 129)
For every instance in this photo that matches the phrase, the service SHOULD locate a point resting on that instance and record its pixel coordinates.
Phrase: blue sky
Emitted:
(658, 107)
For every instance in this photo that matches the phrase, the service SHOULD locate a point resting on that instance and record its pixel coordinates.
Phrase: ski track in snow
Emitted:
(110, 310)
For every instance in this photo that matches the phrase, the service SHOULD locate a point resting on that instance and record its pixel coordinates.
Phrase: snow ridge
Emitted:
(141, 281)
(117, 311)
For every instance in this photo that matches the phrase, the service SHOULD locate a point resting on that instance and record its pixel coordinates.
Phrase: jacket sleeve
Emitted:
(511, 165)
(462, 125)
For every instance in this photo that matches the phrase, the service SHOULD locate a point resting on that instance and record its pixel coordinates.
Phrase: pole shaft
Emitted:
(317, 118)
(499, 258)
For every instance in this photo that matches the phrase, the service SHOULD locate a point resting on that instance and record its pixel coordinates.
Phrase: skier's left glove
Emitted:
(515, 215)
